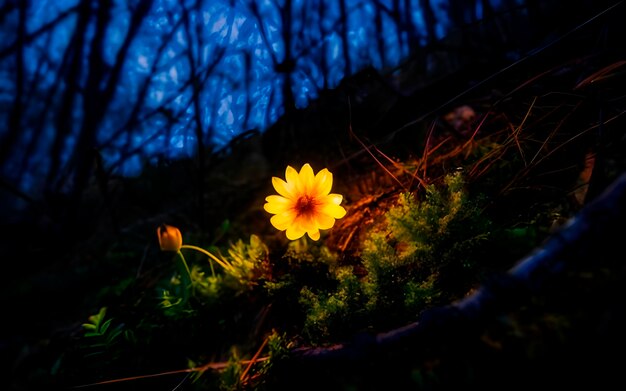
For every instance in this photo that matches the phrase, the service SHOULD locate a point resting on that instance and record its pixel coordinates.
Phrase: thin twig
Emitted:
(253, 360)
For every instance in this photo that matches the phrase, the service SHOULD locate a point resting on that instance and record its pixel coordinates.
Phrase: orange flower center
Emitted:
(305, 205)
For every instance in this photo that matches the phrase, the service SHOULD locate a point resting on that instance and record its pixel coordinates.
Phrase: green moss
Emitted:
(207, 287)
(230, 377)
(420, 294)
(305, 250)
(423, 244)
(422, 248)
(335, 314)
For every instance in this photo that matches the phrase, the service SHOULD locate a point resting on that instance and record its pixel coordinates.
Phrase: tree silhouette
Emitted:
(148, 80)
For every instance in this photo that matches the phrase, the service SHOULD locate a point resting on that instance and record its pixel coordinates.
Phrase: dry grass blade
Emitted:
(366, 148)
(602, 74)
(201, 369)
(254, 360)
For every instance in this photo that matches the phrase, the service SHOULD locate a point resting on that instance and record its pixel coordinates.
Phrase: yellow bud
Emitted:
(170, 238)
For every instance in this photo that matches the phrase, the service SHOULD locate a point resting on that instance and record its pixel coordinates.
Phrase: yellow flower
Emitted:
(305, 204)
(170, 238)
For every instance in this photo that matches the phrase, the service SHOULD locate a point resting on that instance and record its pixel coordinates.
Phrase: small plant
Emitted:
(99, 335)
(170, 239)
(230, 378)
(208, 287)
(247, 260)
(335, 314)
(279, 348)
(279, 351)
(302, 251)
(244, 265)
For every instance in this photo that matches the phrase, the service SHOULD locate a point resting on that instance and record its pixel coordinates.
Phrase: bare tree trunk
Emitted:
(134, 117)
(410, 27)
(401, 27)
(42, 30)
(323, 59)
(198, 127)
(249, 69)
(380, 36)
(6, 9)
(287, 65)
(429, 20)
(96, 100)
(345, 41)
(39, 119)
(14, 119)
(64, 124)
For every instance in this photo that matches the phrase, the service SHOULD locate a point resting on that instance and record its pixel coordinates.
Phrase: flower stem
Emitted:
(186, 277)
(222, 263)
(182, 257)
(212, 269)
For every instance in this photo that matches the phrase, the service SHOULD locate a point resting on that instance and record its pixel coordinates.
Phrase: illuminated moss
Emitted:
(334, 314)
(422, 244)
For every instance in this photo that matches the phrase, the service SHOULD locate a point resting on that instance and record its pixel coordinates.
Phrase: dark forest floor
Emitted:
(536, 142)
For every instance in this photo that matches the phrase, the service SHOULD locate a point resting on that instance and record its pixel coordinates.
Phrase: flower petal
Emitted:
(294, 232)
(333, 210)
(291, 176)
(333, 199)
(307, 223)
(324, 221)
(323, 183)
(282, 221)
(283, 188)
(306, 176)
(277, 204)
(315, 235)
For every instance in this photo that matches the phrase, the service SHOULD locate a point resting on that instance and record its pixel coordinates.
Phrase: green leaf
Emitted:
(105, 326)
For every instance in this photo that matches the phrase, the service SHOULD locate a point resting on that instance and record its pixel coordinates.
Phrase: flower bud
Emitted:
(170, 238)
